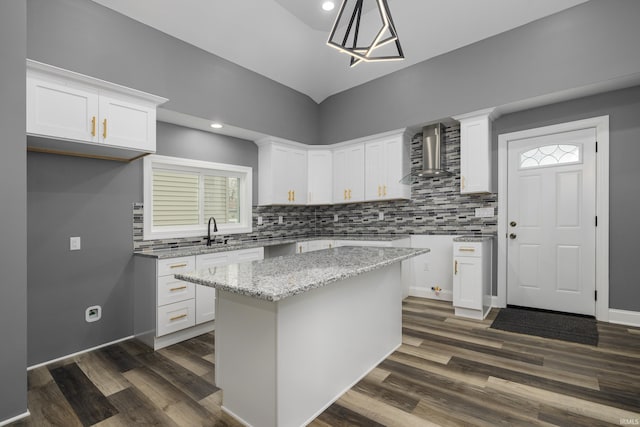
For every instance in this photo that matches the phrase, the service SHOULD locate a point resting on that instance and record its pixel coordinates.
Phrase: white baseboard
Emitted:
(39, 365)
(443, 295)
(14, 419)
(183, 335)
(624, 317)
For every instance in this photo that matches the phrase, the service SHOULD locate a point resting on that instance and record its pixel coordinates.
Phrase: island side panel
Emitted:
(245, 338)
(331, 337)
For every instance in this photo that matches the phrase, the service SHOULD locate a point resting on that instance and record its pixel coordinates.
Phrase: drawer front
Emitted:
(176, 316)
(247, 255)
(172, 290)
(467, 249)
(176, 265)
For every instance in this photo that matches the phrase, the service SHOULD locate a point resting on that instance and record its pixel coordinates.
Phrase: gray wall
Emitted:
(590, 43)
(13, 210)
(83, 36)
(93, 199)
(623, 108)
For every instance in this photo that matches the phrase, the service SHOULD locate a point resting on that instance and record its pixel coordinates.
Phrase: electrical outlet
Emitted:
(259, 220)
(380, 216)
(93, 313)
(74, 243)
(335, 218)
(280, 220)
(484, 212)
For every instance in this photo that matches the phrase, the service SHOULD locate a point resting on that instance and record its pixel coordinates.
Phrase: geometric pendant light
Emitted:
(380, 43)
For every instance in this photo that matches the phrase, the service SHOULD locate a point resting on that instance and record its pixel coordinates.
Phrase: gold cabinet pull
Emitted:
(345, 194)
(289, 195)
(93, 126)
(300, 248)
(293, 195)
(104, 130)
(379, 192)
(455, 267)
(182, 316)
(384, 190)
(179, 288)
(467, 250)
(349, 194)
(178, 265)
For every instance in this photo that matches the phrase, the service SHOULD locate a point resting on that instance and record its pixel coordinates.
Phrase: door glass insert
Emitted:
(550, 155)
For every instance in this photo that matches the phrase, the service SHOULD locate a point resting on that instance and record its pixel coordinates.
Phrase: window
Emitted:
(550, 155)
(180, 195)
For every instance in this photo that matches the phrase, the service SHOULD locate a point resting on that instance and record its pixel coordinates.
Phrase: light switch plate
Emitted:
(74, 243)
(280, 220)
(484, 212)
(335, 218)
(380, 216)
(259, 220)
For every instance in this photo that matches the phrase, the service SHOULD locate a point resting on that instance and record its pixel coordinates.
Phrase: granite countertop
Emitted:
(220, 247)
(276, 278)
(472, 239)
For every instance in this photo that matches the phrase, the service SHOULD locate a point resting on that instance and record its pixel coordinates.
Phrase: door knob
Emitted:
(512, 236)
(513, 223)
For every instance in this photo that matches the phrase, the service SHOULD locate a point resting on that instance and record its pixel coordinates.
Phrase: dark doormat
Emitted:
(547, 324)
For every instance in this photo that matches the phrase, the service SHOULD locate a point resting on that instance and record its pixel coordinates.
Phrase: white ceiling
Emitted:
(285, 40)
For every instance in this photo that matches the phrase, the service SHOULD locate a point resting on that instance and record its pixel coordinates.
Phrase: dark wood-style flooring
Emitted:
(448, 372)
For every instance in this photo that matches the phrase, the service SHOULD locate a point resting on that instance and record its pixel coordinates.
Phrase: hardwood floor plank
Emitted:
(559, 417)
(102, 373)
(425, 353)
(194, 386)
(196, 364)
(160, 391)
(390, 396)
(339, 416)
(87, 402)
(120, 357)
(409, 340)
(137, 409)
(48, 407)
(415, 367)
(462, 337)
(39, 377)
(570, 404)
(380, 412)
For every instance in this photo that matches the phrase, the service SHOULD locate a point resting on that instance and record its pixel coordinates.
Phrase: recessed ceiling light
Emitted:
(328, 5)
(216, 125)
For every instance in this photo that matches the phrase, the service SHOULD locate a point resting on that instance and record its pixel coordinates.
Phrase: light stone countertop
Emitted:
(276, 278)
(220, 247)
(472, 239)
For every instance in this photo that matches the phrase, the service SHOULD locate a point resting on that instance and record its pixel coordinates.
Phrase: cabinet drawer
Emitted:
(176, 316)
(172, 290)
(467, 249)
(176, 265)
(247, 255)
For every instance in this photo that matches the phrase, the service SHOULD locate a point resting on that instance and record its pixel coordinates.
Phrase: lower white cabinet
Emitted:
(168, 310)
(472, 278)
(314, 245)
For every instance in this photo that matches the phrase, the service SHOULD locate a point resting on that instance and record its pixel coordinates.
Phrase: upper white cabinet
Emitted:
(320, 173)
(348, 174)
(475, 152)
(282, 173)
(387, 160)
(79, 115)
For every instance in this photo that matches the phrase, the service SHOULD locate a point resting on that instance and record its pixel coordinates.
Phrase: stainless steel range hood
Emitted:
(433, 155)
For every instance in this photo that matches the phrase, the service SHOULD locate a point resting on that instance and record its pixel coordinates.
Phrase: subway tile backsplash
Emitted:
(436, 207)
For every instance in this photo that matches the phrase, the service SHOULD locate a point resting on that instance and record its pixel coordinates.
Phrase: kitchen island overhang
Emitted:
(294, 333)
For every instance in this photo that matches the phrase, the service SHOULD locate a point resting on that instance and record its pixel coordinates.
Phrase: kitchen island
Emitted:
(294, 333)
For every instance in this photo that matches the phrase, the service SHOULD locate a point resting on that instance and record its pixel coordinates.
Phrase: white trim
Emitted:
(624, 317)
(14, 419)
(444, 295)
(495, 302)
(183, 335)
(39, 365)
(601, 124)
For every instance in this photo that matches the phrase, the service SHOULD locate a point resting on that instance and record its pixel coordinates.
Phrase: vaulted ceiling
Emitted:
(285, 40)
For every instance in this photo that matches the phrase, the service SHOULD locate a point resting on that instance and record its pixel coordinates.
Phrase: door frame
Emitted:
(601, 124)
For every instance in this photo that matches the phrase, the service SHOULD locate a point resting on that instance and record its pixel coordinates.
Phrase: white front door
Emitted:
(551, 214)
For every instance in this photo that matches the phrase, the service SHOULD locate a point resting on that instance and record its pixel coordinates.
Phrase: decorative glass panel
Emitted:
(550, 155)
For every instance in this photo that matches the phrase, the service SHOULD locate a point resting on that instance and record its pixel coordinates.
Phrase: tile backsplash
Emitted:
(436, 207)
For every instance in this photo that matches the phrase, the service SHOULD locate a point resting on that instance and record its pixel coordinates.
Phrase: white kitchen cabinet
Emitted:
(206, 295)
(387, 160)
(314, 245)
(475, 152)
(168, 310)
(472, 278)
(320, 177)
(69, 113)
(348, 174)
(282, 173)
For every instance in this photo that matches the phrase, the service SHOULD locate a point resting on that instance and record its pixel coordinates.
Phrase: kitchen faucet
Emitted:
(215, 230)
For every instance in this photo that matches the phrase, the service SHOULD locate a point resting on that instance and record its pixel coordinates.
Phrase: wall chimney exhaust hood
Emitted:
(433, 155)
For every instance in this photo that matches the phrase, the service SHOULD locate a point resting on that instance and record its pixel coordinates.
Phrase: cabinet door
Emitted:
(289, 173)
(319, 175)
(355, 173)
(375, 170)
(61, 111)
(475, 155)
(397, 164)
(297, 167)
(340, 176)
(205, 304)
(126, 124)
(467, 282)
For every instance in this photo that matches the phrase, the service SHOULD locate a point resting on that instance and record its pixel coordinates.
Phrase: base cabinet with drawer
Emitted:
(472, 279)
(168, 310)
